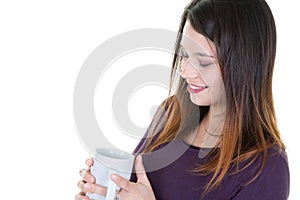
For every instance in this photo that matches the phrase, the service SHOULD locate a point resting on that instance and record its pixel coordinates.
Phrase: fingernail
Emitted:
(82, 172)
(114, 177)
(89, 162)
(139, 158)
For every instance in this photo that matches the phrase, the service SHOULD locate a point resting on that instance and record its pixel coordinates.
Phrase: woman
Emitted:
(217, 137)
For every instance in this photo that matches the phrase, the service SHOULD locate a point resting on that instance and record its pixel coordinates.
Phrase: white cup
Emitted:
(110, 161)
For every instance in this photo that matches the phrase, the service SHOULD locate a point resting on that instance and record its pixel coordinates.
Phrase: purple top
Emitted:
(170, 173)
(176, 181)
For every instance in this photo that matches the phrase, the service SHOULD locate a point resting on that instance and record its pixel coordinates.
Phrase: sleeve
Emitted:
(272, 184)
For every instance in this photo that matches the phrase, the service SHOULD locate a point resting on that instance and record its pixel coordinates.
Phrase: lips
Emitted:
(192, 88)
(196, 87)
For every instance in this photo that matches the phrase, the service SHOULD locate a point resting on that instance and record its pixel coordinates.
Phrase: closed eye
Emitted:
(205, 64)
(207, 58)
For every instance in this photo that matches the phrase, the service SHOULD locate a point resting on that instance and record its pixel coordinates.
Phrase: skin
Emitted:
(200, 67)
(193, 72)
(141, 190)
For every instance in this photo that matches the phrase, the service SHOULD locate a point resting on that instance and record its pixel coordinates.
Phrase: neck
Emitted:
(208, 133)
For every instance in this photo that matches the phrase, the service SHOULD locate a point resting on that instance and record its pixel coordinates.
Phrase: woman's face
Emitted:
(201, 70)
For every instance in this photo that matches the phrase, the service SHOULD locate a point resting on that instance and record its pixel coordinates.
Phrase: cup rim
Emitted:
(115, 154)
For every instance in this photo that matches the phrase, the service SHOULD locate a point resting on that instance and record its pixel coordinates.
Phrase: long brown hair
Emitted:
(244, 34)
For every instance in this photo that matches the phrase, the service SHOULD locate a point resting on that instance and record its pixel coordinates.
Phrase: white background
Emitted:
(42, 47)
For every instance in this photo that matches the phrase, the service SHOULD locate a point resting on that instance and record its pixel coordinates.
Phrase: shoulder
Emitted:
(276, 168)
(274, 180)
(276, 158)
(275, 174)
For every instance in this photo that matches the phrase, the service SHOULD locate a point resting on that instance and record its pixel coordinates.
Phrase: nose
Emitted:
(188, 71)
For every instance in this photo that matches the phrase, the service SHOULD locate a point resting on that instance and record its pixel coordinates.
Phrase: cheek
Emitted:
(211, 77)
(215, 84)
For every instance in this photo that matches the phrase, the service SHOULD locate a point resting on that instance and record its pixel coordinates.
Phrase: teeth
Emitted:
(195, 87)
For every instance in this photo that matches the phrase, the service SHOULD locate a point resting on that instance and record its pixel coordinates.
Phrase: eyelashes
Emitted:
(205, 65)
(183, 55)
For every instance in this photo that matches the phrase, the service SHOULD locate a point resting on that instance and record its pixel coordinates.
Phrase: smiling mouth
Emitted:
(195, 88)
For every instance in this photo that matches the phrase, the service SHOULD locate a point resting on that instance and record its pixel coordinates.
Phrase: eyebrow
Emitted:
(199, 53)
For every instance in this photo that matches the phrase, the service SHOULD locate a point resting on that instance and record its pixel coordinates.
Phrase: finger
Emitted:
(83, 172)
(89, 162)
(80, 184)
(140, 170)
(125, 195)
(122, 182)
(86, 175)
(81, 196)
(94, 188)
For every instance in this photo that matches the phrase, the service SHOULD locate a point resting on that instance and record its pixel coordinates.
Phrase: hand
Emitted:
(87, 185)
(141, 190)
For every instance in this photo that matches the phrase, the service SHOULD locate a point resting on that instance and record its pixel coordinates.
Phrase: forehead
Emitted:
(193, 41)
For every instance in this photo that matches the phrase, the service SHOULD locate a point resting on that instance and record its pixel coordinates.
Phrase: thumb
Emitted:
(140, 170)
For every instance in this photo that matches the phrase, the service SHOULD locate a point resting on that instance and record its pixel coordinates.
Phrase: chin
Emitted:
(200, 102)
